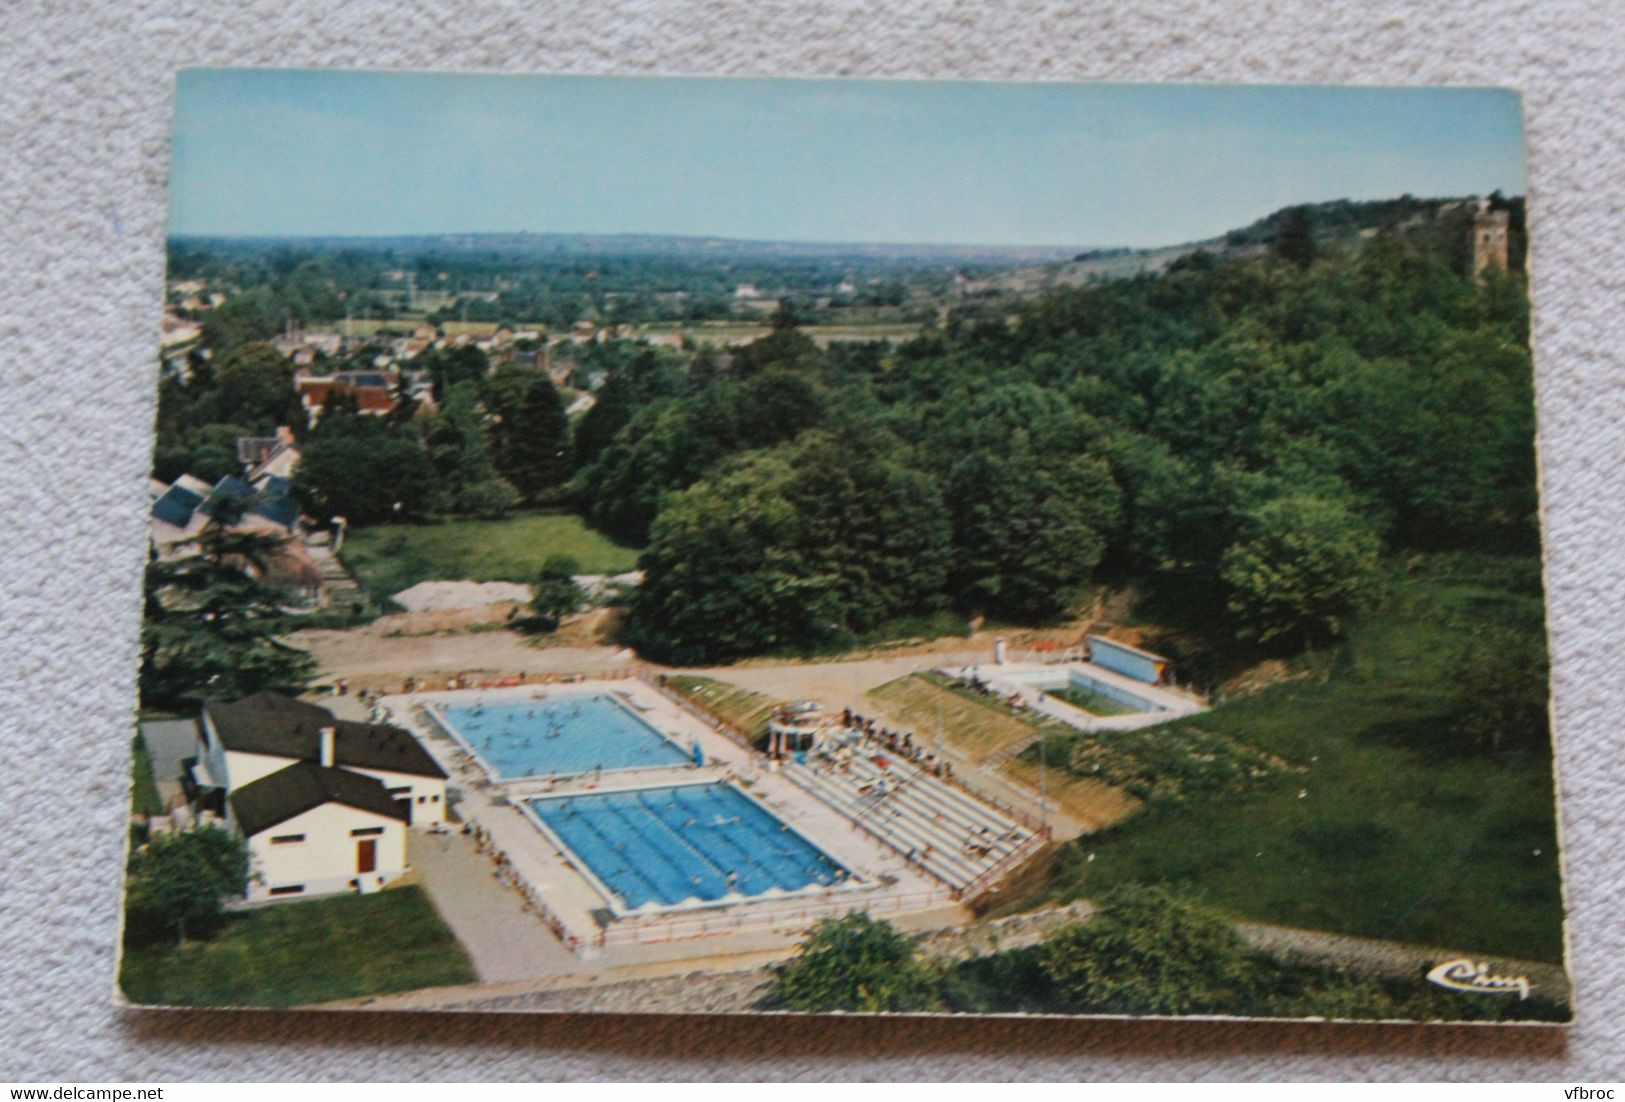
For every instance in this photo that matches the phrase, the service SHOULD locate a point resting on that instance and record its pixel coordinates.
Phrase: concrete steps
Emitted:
(951, 835)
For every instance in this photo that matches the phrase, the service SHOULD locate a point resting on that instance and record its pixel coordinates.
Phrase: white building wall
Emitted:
(244, 768)
(427, 794)
(325, 860)
(232, 769)
(211, 755)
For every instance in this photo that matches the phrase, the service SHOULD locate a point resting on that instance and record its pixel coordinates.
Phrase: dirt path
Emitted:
(834, 684)
(378, 656)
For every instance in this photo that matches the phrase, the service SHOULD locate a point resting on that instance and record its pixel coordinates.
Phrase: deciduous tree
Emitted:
(858, 964)
(1303, 565)
(1146, 951)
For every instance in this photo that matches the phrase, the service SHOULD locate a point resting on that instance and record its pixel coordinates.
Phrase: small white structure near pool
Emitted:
(1036, 682)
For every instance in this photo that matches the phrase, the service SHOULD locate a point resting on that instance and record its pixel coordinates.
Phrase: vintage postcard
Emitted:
(706, 545)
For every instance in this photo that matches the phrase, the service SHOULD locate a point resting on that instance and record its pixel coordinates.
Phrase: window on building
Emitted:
(423, 799)
(362, 832)
(289, 889)
(286, 839)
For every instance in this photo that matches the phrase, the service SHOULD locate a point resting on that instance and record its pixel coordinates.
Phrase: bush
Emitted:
(556, 594)
(856, 963)
(490, 497)
(1146, 951)
(178, 884)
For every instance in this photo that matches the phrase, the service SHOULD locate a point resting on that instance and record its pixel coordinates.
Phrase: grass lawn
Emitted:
(1014, 982)
(1091, 802)
(390, 558)
(975, 727)
(290, 954)
(744, 709)
(979, 727)
(1369, 831)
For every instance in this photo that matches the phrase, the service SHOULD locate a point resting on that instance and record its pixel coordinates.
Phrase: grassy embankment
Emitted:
(390, 558)
(981, 729)
(291, 954)
(1014, 982)
(1345, 806)
(746, 710)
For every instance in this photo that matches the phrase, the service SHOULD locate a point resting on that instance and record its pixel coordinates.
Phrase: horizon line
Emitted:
(822, 243)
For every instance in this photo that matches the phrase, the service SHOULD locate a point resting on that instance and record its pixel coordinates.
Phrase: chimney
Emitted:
(327, 746)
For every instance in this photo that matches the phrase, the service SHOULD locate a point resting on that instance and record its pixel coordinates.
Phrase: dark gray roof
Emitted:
(270, 723)
(274, 504)
(229, 488)
(176, 506)
(303, 787)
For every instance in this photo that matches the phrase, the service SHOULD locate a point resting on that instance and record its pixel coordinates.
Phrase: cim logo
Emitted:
(1463, 974)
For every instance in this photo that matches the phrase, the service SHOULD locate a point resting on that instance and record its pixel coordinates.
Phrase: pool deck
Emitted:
(576, 906)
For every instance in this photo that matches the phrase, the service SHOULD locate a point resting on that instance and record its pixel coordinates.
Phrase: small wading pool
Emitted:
(1082, 687)
(681, 843)
(562, 735)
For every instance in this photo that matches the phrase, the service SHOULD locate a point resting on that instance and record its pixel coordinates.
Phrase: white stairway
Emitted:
(951, 835)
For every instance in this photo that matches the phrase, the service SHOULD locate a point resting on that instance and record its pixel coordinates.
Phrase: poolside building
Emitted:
(323, 803)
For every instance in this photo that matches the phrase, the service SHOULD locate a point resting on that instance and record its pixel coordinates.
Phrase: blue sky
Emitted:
(259, 151)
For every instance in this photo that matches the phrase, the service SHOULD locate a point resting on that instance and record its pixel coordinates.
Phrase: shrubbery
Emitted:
(177, 884)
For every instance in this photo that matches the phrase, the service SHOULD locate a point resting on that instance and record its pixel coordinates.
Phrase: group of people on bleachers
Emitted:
(900, 743)
(1014, 701)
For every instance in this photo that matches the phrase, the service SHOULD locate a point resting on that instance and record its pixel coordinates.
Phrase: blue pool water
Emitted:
(678, 843)
(569, 734)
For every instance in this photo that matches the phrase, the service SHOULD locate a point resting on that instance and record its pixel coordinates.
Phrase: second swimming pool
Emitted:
(685, 842)
(563, 735)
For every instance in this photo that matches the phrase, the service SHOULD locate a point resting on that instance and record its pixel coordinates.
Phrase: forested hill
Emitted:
(1343, 223)
(1263, 431)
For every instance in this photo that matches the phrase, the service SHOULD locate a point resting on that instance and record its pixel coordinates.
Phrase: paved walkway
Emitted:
(504, 941)
(168, 741)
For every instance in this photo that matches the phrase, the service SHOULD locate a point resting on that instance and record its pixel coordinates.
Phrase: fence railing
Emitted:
(758, 918)
(1003, 866)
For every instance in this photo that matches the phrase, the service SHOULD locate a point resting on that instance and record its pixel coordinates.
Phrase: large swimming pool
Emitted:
(685, 842)
(563, 735)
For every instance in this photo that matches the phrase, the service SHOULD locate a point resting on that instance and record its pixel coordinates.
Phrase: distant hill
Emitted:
(558, 245)
(1341, 222)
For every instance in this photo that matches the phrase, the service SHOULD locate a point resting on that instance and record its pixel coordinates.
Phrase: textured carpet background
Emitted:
(85, 89)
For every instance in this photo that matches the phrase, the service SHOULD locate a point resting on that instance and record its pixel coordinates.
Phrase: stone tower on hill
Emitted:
(1489, 241)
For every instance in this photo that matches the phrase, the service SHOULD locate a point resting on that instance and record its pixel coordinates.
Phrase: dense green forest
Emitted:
(1254, 435)
(1248, 437)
